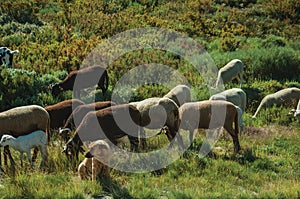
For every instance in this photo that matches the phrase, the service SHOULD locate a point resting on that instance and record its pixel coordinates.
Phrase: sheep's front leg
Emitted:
(21, 158)
(29, 158)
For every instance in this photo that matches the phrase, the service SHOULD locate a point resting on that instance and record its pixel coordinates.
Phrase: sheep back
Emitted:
(60, 112)
(206, 114)
(24, 120)
(179, 94)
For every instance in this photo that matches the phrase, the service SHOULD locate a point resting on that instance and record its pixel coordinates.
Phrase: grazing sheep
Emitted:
(157, 113)
(22, 121)
(96, 163)
(85, 77)
(26, 142)
(284, 97)
(110, 123)
(234, 69)
(179, 94)
(60, 112)
(79, 112)
(209, 115)
(236, 96)
(296, 112)
(6, 56)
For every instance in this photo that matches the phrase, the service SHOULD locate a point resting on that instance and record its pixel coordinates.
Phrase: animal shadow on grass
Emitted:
(113, 189)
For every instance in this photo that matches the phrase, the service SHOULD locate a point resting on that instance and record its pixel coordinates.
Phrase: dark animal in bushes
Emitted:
(84, 78)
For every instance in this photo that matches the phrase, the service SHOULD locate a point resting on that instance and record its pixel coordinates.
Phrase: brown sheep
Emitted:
(96, 162)
(22, 121)
(85, 77)
(82, 110)
(79, 113)
(209, 115)
(110, 123)
(60, 112)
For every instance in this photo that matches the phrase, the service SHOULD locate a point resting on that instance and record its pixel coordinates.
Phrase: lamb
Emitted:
(209, 115)
(110, 123)
(157, 113)
(6, 56)
(60, 112)
(296, 112)
(22, 121)
(179, 94)
(236, 96)
(234, 69)
(285, 97)
(25, 143)
(96, 162)
(81, 79)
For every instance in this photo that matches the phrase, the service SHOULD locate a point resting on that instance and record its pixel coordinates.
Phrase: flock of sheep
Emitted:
(32, 126)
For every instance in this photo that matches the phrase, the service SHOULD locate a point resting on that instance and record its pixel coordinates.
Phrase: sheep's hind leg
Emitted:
(35, 151)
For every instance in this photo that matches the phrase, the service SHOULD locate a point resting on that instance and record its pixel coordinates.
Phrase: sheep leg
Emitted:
(21, 158)
(143, 137)
(134, 142)
(234, 136)
(191, 137)
(29, 158)
(35, 151)
(44, 153)
(7, 153)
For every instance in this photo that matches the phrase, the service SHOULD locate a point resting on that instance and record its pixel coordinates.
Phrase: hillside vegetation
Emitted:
(55, 37)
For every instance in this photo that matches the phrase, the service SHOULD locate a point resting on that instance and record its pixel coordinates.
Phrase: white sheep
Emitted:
(234, 69)
(179, 94)
(157, 113)
(284, 97)
(26, 142)
(236, 96)
(96, 163)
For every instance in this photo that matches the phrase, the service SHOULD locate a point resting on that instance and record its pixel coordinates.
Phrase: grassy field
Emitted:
(54, 37)
(267, 167)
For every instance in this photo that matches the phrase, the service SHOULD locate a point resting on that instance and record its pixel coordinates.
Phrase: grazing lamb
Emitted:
(285, 97)
(110, 123)
(85, 78)
(60, 112)
(96, 163)
(209, 115)
(26, 142)
(234, 69)
(296, 112)
(236, 96)
(179, 94)
(22, 121)
(6, 56)
(157, 113)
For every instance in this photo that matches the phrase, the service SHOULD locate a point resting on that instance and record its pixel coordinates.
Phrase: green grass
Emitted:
(267, 167)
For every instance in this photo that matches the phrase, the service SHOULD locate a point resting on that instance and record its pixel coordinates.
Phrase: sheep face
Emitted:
(71, 149)
(6, 140)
